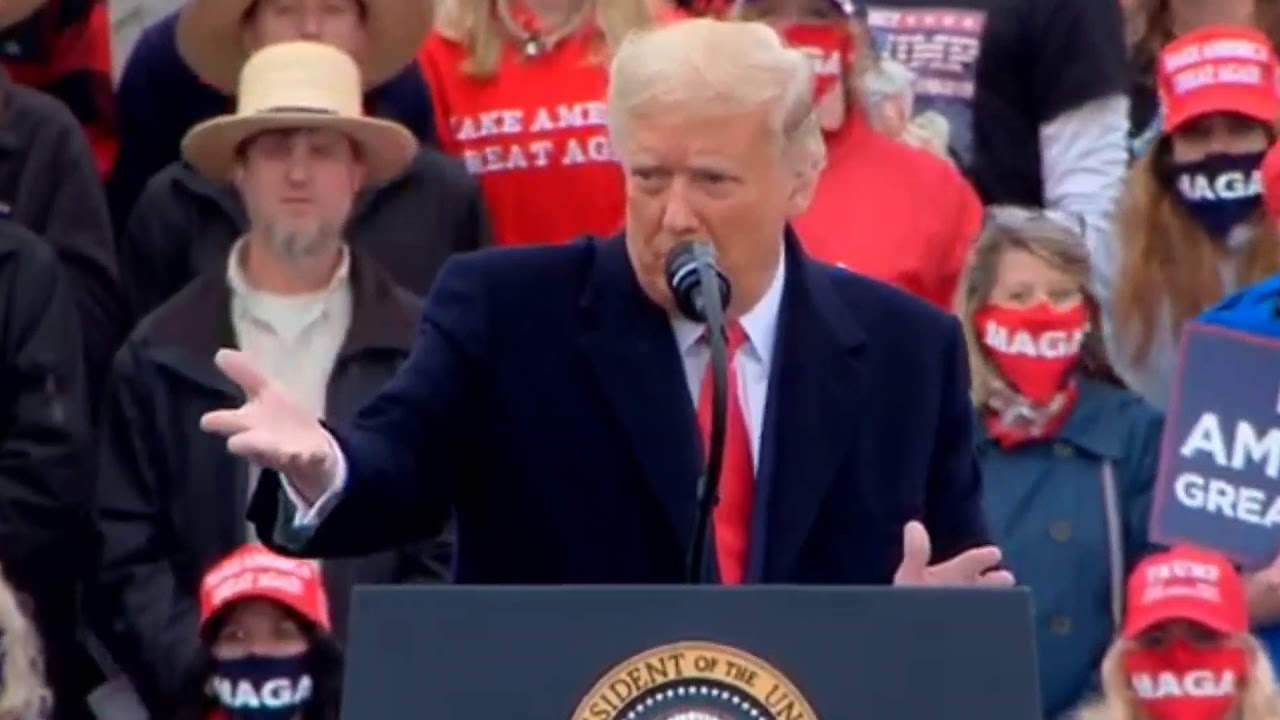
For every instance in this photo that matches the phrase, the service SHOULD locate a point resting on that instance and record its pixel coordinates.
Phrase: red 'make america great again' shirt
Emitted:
(534, 135)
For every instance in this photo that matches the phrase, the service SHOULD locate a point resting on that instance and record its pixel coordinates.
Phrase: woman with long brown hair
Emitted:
(519, 88)
(1152, 24)
(1191, 227)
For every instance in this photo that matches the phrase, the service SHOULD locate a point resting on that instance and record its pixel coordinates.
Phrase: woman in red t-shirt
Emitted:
(519, 89)
(882, 208)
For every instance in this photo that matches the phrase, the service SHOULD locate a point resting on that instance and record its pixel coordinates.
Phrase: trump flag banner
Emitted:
(1219, 481)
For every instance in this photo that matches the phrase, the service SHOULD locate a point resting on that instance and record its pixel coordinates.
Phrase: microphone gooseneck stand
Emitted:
(709, 484)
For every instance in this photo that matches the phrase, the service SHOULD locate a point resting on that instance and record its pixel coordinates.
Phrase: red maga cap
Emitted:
(1186, 583)
(255, 572)
(1219, 69)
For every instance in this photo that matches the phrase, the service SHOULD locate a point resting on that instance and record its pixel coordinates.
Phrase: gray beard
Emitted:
(293, 245)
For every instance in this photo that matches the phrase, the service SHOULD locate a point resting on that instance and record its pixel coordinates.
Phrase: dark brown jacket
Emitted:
(50, 184)
(172, 500)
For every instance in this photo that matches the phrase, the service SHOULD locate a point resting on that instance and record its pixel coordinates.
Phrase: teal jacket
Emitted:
(1045, 508)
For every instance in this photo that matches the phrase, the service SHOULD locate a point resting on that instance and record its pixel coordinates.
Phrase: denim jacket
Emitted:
(1046, 507)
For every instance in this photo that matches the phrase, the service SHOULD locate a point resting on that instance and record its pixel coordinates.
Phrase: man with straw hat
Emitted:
(323, 318)
(410, 222)
(183, 70)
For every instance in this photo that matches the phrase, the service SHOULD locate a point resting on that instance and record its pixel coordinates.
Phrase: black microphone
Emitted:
(689, 267)
(701, 291)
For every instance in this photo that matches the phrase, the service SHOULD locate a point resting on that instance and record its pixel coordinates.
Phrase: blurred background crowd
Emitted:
(1073, 179)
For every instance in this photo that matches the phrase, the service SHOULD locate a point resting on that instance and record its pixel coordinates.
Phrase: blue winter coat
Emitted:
(1045, 508)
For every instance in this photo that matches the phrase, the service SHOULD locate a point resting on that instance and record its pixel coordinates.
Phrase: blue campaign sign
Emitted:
(1219, 482)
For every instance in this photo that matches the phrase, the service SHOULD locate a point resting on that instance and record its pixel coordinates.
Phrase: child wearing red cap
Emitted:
(1185, 652)
(1191, 227)
(264, 621)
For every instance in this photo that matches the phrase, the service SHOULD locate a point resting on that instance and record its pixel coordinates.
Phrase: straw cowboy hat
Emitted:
(211, 38)
(13, 12)
(295, 85)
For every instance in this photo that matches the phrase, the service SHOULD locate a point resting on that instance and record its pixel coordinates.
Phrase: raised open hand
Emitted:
(976, 567)
(272, 430)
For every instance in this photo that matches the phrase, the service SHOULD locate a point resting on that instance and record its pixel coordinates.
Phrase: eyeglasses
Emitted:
(1016, 216)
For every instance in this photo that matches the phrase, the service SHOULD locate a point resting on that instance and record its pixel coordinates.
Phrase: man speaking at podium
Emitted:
(551, 405)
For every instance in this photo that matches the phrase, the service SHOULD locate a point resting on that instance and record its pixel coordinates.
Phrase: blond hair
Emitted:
(1259, 697)
(1050, 239)
(684, 64)
(475, 24)
(23, 691)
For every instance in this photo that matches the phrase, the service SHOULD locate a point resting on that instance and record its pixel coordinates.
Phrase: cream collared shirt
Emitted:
(293, 339)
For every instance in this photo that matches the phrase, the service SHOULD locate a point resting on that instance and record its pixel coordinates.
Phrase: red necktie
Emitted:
(737, 474)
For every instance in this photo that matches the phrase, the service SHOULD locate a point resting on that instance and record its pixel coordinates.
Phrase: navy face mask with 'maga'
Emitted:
(1219, 191)
(257, 687)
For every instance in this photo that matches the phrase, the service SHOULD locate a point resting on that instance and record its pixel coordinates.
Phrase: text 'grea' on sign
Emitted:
(1244, 456)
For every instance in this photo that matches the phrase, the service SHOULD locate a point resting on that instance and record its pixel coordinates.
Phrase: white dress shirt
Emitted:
(754, 359)
(294, 339)
(754, 363)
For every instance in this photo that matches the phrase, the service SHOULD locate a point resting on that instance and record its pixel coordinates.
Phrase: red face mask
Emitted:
(829, 47)
(1186, 682)
(1034, 348)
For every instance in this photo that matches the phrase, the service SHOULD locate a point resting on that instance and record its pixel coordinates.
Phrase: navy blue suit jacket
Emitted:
(544, 408)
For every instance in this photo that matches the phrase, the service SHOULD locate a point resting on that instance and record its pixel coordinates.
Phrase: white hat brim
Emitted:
(210, 39)
(386, 147)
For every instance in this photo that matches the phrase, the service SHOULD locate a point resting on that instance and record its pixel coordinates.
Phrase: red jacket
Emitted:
(893, 212)
(64, 49)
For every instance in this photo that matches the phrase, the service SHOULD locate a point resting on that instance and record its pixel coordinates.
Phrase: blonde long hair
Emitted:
(1011, 228)
(475, 24)
(24, 694)
(1167, 256)
(1260, 697)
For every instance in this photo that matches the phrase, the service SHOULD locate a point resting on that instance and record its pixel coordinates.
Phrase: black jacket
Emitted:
(172, 500)
(184, 224)
(50, 184)
(44, 445)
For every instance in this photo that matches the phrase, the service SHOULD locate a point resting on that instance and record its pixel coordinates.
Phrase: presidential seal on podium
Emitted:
(694, 681)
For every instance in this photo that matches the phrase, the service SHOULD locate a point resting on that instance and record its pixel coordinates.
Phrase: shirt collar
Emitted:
(252, 302)
(240, 286)
(760, 323)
